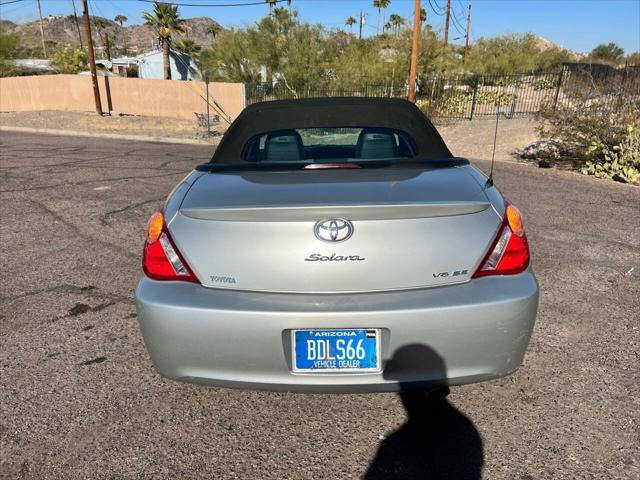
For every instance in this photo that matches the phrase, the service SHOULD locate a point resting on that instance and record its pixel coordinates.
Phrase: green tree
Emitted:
(166, 20)
(609, 52)
(120, 19)
(8, 51)
(188, 47)
(213, 30)
(294, 54)
(99, 24)
(634, 59)
(350, 21)
(508, 54)
(231, 58)
(69, 60)
(8, 45)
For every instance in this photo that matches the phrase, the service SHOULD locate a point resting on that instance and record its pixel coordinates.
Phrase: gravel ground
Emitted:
(80, 399)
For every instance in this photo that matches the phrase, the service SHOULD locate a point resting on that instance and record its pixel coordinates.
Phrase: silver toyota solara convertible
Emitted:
(336, 245)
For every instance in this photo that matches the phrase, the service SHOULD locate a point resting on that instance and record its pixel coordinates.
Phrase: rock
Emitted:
(545, 153)
(544, 163)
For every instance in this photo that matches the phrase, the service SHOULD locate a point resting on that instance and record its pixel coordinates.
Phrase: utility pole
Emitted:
(91, 57)
(466, 41)
(362, 22)
(44, 48)
(107, 45)
(417, 27)
(75, 17)
(446, 24)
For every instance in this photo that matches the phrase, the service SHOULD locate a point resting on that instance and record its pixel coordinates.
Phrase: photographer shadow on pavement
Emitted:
(437, 441)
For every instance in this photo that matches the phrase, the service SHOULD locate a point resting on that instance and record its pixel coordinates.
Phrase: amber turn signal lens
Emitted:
(515, 220)
(154, 230)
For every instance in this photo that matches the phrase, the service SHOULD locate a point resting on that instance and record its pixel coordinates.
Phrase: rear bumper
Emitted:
(448, 335)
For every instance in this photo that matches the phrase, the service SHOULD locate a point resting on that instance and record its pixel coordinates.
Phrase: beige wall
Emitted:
(133, 96)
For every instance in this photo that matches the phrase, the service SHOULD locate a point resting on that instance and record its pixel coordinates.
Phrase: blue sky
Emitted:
(575, 24)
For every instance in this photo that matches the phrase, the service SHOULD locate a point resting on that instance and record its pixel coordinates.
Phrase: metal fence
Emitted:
(476, 96)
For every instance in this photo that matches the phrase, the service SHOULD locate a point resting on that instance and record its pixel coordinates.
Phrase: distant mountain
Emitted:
(130, 39)
(545, 44)
(6, 25)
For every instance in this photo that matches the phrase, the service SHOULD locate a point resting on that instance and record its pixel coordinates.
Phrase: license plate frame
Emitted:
(376, 336)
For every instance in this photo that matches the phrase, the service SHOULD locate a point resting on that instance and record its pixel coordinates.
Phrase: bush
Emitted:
(596, 125)
(545, 83)
(511, 53)
(451, 103)
(619, 162)
(494, 97)
(69, 61)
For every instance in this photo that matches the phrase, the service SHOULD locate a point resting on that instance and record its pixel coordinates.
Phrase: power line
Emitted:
(93, 6)
(455, 18)
(437, 5)
(264, 2)
(119, 8)
(18, 7)
(10, 2)
(456, 24)
(434, 9)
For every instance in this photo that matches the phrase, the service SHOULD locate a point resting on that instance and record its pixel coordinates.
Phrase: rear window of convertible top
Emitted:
(329, 144)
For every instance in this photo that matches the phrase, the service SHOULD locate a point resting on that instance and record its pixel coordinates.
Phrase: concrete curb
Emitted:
(136, 138)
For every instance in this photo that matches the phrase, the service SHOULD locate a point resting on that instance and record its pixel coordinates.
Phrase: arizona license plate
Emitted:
(336, 350)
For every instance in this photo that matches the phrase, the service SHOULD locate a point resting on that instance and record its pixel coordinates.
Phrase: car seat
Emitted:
(283, 146)
(376, 143)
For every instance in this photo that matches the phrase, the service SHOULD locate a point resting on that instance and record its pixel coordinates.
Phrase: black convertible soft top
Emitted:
(356, 112)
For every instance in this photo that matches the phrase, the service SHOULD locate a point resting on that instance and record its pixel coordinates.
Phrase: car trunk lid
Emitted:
(412, 228)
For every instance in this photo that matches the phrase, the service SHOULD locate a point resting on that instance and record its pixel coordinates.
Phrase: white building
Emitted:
(183, 67)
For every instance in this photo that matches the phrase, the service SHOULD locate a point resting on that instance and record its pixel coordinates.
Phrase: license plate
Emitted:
(339, 350)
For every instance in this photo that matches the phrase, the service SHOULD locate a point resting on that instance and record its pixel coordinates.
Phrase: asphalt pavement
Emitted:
(79, 397)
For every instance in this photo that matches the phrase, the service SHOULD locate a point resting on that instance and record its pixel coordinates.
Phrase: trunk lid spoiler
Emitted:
(301, 213)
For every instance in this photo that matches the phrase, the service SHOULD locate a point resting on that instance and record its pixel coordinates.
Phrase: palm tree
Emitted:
(214, 30)
(381, 5)
(166, 20)
(350, 21)
(188, 47)
(396, 22)
(120, 19)
(104, 38)
(99, 24)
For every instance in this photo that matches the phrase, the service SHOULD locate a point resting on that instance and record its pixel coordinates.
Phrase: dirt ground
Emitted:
(474, 139)
(466, 139)
(115, 125)
(80, 399)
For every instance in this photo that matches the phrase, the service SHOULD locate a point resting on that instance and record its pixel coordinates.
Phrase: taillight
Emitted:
(161, 260)
(509, 253)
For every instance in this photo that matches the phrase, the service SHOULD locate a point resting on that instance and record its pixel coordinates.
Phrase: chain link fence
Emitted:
(486, 95)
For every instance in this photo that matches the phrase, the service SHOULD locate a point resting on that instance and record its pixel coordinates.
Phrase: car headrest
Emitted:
(376, 143)
(283, 146)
